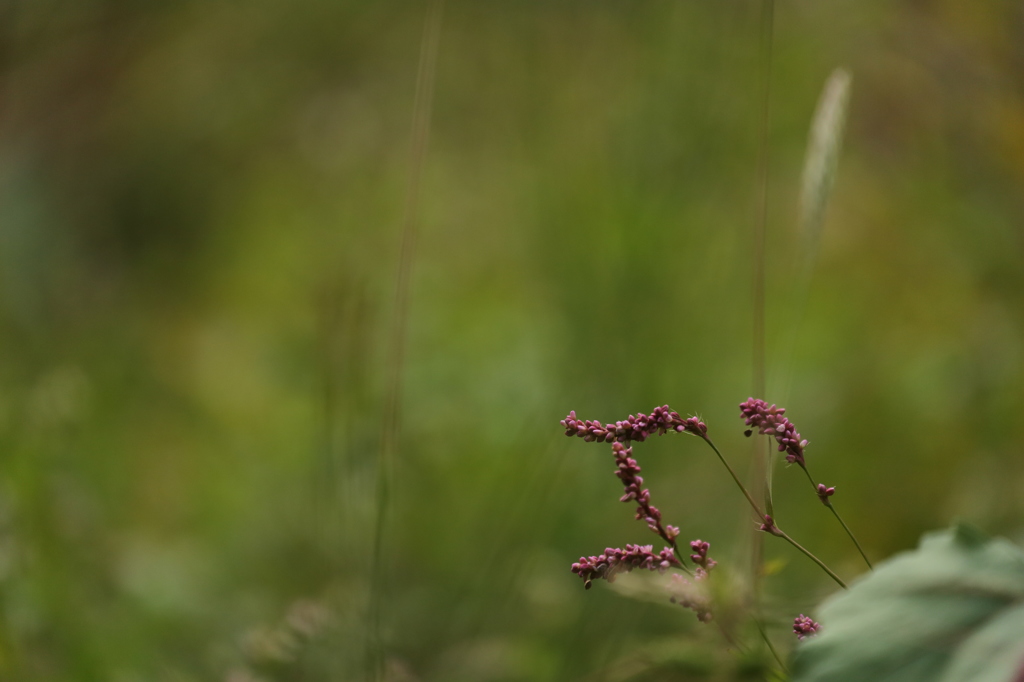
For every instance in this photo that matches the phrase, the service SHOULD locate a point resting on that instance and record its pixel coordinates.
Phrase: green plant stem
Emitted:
(782, 534)
(775, 529)
(762, 462)
(743, 488)
(839, 519)
(850, 533)
(771, 647)
(390, 426)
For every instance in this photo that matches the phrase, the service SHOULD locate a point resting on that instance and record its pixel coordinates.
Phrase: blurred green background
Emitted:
(200, 217)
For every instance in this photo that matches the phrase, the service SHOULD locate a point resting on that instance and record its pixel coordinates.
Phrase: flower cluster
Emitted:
(825, 493)
(770, 421)
(691, 595)
(637, 427)
(700, 556)
(628, 472)
(804, 626)
(614, 561)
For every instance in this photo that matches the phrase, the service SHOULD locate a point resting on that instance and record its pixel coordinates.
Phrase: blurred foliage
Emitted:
(199, 220)
(949, 611)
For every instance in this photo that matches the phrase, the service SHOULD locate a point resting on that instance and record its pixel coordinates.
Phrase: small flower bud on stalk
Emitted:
(700, 555)
(804, 626)
(769, 527)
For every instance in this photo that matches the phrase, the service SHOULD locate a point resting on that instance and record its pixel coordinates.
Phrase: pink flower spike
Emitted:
(614, 561)
(770, 421)
(628, 472)
(638, 427)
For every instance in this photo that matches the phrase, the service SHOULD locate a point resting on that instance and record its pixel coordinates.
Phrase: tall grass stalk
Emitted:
(824, 145)
(760, 460)
(390, 422)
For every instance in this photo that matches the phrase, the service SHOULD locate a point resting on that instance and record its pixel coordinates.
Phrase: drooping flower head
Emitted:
(770, 420)
(628, 472)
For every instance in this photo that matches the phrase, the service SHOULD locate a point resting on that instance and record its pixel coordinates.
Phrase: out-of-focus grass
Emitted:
(199, 212)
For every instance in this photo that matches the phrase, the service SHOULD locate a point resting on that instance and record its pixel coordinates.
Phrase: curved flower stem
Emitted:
(782, 534)
(839, 518)
(850, 533)
(743, 488)
(775, 530)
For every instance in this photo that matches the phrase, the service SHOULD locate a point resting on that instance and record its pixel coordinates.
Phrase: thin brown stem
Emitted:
(839, 518)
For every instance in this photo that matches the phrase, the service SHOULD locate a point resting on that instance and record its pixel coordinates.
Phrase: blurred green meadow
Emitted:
(201, 208)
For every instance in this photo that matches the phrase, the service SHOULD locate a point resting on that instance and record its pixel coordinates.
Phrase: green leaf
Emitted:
(950, 611)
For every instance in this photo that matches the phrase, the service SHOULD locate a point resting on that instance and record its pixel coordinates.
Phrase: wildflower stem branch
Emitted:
(839, 518)
(736, 478)
(782, 534)
(771, 527)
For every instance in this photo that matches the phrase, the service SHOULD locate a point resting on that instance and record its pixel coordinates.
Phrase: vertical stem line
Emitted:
(390, 422)
(761, 460)
(760, 224)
